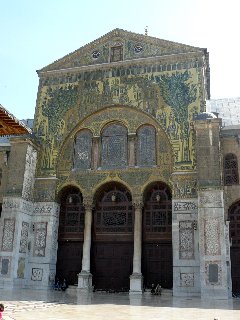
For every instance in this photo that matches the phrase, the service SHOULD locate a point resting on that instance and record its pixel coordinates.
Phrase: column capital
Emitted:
(138, 204)
(88, 202)
(137, 200)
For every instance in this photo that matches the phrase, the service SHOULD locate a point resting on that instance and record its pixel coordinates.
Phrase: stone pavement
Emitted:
(28, 304)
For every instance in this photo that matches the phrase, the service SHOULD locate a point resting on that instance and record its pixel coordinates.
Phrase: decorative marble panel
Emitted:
(114, 147)
(184, 206)
(212, 237)
(227, 242)
(24, 238)
(5, 266)
(83, 150)
(186, 240)
(46, 209)
(40, 234)
(37, 274)
(210, 199)
(10, 204)
(213, 273)
(8, 235)
(146, 146)
(29, 174)
(55, 235)
(21, 267)
(186, 279)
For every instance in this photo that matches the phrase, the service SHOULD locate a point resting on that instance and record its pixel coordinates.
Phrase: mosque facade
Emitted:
(126, 180)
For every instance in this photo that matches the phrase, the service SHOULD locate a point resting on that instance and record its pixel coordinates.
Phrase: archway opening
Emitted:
(112, 241)
(234, 233)
(157, 236)
(70, 235)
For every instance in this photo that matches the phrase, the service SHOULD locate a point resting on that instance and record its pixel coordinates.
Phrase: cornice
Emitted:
(172, 58)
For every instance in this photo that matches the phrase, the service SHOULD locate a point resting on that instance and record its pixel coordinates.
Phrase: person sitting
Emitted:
(158, 289)
(64, 285)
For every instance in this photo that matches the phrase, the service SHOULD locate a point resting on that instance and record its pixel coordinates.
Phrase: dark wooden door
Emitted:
(112, 241)
(157, 265)
(69, 262)
(112, 266)
(234, 231)
(235, 263)
(70, 236)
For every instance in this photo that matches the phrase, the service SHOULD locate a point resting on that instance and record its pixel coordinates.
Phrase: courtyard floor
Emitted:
(28, 304)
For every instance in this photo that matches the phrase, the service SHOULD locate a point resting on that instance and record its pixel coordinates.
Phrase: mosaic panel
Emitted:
(37, 274)
(185, 188)
(186, 279)
(186, 240)
(146, 146)
(5, 266)
(8, 235)
(21, 267)
(212, 237)
(24, 237)
(213, 273)
(83, 150)
(114, 147)
(40, 234)
(152, 89)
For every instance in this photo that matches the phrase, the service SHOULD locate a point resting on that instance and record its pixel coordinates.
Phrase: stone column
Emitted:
(131, 155)
(136, 279)
(214, 278)
(85, 276)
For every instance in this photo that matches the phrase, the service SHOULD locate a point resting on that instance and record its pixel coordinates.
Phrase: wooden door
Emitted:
(69, 261)
(157, 265)
(234, 232)
(112, 245)
(70, 236)
(112, 266)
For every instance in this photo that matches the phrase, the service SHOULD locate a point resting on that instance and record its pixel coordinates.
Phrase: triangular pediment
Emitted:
(134, 46)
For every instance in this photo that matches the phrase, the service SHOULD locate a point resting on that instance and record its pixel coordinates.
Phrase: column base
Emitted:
(85, 281)
(136, 283)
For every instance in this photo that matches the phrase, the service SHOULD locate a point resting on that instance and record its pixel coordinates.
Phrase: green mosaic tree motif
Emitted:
(59, 101)
(178, 93)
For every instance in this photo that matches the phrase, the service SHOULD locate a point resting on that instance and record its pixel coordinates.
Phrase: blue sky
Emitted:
(35, 33)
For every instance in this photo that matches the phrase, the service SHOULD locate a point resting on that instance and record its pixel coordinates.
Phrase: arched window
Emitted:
(146, 146)
(230, 170)
(83, 150)
(114, 146)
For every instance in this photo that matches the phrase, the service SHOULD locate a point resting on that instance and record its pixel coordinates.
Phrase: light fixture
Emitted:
(113, 198)
(158, 197)
(70, 200)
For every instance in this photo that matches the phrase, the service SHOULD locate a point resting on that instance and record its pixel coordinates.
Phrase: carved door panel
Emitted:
(157, 264)
(234, 231)
(70, 236)
(112, 265)
(235, 262)
(69, 260)
(112, 246)
(157, 237)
